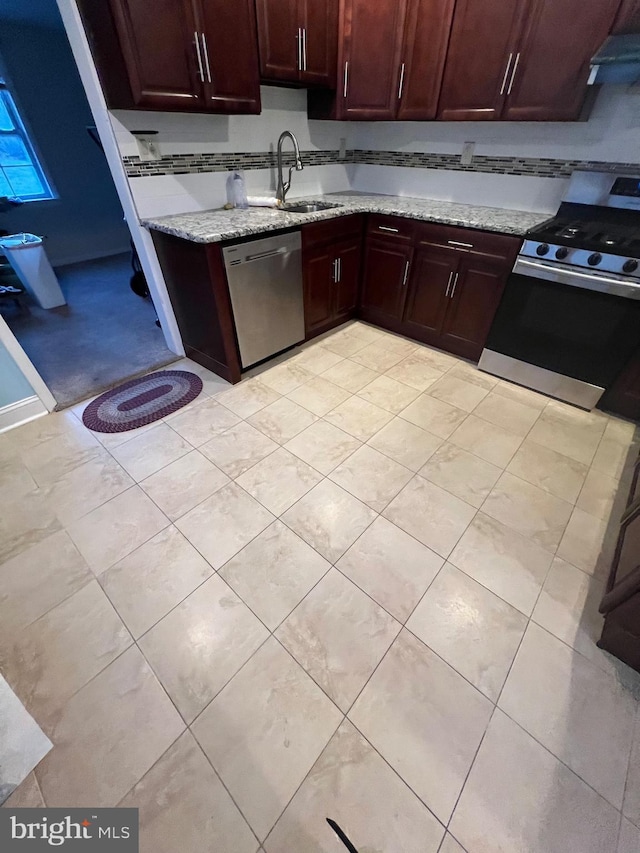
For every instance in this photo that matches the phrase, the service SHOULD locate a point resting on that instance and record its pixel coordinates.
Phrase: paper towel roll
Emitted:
(263, 201)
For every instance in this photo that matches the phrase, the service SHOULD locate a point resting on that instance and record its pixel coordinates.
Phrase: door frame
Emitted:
(25, 364)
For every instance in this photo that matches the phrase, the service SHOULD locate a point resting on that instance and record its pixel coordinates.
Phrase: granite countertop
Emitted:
(213, 226)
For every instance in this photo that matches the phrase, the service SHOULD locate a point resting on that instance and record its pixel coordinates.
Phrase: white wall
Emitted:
(13, 385)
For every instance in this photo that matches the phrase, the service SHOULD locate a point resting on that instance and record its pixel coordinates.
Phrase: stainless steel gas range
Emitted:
(569, 319)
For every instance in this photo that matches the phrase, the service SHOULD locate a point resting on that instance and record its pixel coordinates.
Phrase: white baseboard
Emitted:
(19, 413)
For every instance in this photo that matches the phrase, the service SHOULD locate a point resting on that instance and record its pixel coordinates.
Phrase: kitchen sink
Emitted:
(307, 206)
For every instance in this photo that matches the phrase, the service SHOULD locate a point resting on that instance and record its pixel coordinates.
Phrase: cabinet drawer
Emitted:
(320, 233)
(391, 227)
(469, 240)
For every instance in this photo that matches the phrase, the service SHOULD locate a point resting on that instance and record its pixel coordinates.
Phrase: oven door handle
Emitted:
(587, 281)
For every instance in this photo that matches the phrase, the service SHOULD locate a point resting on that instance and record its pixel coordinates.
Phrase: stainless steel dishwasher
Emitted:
(265, 283)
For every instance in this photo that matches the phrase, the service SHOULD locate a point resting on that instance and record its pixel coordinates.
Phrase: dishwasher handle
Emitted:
(283, 250)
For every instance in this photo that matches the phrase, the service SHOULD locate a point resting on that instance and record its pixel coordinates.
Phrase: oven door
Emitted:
(561, 337)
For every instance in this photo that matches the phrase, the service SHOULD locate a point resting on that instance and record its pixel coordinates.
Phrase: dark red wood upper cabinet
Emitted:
(159, 51)
(550, 70)
(370, 58)
(229, 43)
(319, 48)
(426, 36)
(628, 18)
(482, 47)
(279, 33)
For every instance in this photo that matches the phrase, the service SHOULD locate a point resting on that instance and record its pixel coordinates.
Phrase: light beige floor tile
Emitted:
(248, 397)
(51, 459)
(183, 806)
(339, 635)
(201, 644)
(37, 579)
(113, 530)
(183, 484)
(285, 377)
(329, 519)
(461, 473)
(389, 394)
(588, 543)
(416, 372)
(459, 392)
(274, 572)
(224, 523)
(55, 656)
(629, 840)
(488, 441)
(569, 431)
(212, 384)
(507, 413)
(521, 395)
(442, 361)
(471, 373)
(110, 733)
(318, 395)
(435, 416)
(353, 785)
(599, 493)
(398, 343)
(282, 420)
(377, 356)
(614, 457)
(238, 449)
(391, 566)
(279, 480)
(15, 477)
(425, 720)
(450, 845)
(504, 561)
(29, 435)
(405, 443)
(519, 797)
(25, 520)
(316, 359)
(143, 456)
(618, 429)
(366, 332)
(472, 629)
(350, 375)
(86, 487)
(529, 510)
(26, 796)
(110, 440)
(323, 446)
(555, 473)
(371, 477)
(264, 732)
(359, 418)
(146, 584)
(434, 517)
(344, 344)
(631, 807)
(201, 422)
(566, 703)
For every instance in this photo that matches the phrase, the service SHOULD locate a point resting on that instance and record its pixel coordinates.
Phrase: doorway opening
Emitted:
(55, 183)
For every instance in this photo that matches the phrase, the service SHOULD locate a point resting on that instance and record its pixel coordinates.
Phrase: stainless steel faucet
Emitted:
(283, 187)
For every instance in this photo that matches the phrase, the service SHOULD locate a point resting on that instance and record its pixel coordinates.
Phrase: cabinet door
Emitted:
(550, 78)
(480, 58)
(319, 23)
(429, 288)
(386, 272)
(159, 50)
(278, 30)
(628, 20)
(426, 36)
(473, 301)
(347, 255)
(230, 55)
(318, 288)
(623, 397)
(370, 67)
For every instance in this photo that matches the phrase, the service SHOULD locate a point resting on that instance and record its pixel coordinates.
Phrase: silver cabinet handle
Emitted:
(197, 43)
(206, 56)
(400, 87)
(299, 41)
(462, 245)
(335, 270)
(455, 284)
(339, 269)
(513, 73)
(388, 228)
(346, 79)
(304, 48)
(506, 74)
(406, 273)
(446, 296)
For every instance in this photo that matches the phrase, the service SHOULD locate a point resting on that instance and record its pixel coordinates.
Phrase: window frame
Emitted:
(21, 132)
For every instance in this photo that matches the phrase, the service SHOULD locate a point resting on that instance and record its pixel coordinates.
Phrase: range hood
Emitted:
(617, 61)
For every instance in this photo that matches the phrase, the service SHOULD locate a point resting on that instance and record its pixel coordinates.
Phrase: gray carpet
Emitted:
(104, 335)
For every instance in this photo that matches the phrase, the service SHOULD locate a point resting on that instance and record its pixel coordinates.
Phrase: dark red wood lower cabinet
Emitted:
(386, 274)
(318, 289)
(347, 255)
(623, 398)
(432, 276)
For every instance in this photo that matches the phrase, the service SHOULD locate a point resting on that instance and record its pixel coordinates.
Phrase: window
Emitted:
(21, 175)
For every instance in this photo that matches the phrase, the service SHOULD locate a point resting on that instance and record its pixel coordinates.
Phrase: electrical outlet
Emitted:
(467, 153)
(148, 149)
(343, 147)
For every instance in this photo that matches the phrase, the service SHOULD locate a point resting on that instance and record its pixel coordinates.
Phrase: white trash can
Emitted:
(28, 258)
